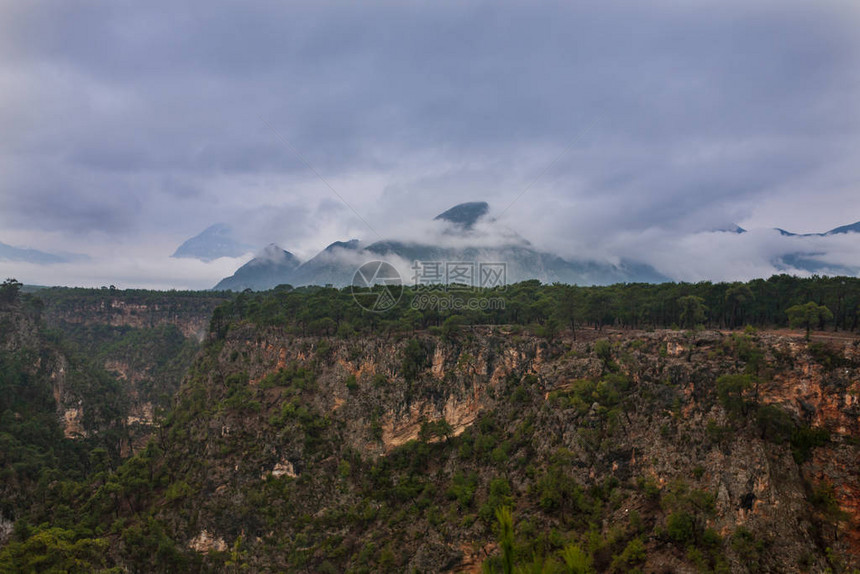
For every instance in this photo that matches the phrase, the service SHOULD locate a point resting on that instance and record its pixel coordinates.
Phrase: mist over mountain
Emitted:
(465, 215)
(460, 235)
(268, 268)
(815, 255)
(731, 228)
(467, 233)
(851, 228)
(26, 255)
(215, 241)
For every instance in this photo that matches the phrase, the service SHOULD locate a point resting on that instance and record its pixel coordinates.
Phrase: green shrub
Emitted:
(463, 487)
(499, 496)
(577, 560)
(731, 390)
(823, 497)
(633, 554)
(747, 548)
(775, 424)
(804, 439)
(416, 358)
(681, 528)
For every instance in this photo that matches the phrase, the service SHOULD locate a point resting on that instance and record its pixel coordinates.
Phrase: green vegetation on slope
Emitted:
(602, 454)
(282, 478)
(38, 374)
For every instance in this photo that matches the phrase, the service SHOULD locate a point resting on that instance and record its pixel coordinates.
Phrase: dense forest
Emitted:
(548, 308)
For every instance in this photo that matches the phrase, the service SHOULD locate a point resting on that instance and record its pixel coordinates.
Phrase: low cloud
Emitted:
(135, 271)
(722, 256)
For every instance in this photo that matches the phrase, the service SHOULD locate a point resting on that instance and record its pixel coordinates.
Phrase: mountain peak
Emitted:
(850, 228)
(351, 244)
(465, 214)
(272, 253)
(270, 267)
(731, 228)
(215, 241)
(270, 249)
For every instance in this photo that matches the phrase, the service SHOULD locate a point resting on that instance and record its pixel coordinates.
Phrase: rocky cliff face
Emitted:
(146, 340)
(122, 309)
(47, 368)
(47, 396)
(395, 453)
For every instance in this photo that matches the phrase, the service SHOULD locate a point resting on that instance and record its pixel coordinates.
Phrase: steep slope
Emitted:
(573, 436)
(188, 311)
(271, 267)
(56, 409)
(334, 265)
(463, 242)
(852, 228)
(664, 451)
(146, 340)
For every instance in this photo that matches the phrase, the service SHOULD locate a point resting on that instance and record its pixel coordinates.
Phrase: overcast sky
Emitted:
(611, 129)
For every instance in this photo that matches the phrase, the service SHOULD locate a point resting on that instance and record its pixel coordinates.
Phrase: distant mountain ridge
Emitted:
(851, 228)
(337, 263)
(27, 255)
(814, 261)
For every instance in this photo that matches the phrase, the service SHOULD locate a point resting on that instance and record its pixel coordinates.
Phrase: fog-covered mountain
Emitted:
(731, 228)
(814, 259)
(461, 235)
(269, 268)
(334, 265)
(23, 254)
(465, 215)
(466, 234)
(852, 228)
(215, 241)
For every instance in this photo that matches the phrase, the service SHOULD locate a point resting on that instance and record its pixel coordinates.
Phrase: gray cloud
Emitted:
(136, 122)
